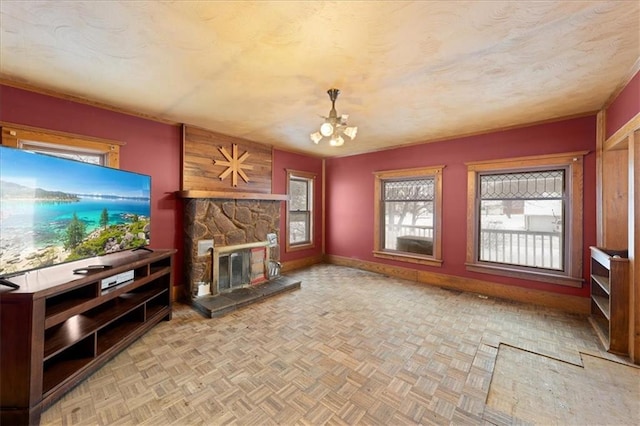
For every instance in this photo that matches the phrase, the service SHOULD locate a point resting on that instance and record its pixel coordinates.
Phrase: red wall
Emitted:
(350, 191)
(283, 160)
(624, 107)
(151, 148)
(154, 148)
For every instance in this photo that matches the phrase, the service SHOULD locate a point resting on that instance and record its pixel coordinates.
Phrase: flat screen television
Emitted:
(55, 210)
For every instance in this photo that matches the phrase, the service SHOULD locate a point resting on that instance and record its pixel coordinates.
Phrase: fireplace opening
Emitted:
(239, 266)
(233, 270)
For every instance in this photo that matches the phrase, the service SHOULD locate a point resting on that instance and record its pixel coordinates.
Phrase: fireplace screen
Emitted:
(233, 270)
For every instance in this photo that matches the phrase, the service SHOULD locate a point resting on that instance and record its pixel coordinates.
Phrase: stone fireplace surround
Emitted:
(227, 222)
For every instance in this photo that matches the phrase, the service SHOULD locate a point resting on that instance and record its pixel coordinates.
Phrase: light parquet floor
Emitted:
(349, 347)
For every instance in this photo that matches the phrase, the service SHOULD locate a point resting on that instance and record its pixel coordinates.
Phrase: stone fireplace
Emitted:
(240, 253)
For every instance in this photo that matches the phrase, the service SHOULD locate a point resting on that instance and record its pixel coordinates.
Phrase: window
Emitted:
(525, 218)
(73, 153)
(300, 210)
(81, 148)
(408, 216)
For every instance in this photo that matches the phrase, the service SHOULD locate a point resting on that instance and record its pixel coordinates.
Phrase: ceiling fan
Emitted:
(334, 127)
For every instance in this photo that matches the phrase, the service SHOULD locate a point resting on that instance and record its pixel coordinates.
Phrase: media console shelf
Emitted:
(58, 328)
(610, 298)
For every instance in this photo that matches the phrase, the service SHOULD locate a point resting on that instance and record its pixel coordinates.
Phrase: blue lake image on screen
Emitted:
(55, 210)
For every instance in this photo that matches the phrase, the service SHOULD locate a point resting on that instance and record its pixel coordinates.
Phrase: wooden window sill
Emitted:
(539, 275)
(407, 257)
(298, 247)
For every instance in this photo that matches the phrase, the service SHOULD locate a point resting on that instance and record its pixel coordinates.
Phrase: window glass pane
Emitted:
(298, 191)
(408, 226)
(299, 227)
(86, 157)
(409, 190)
(299, 217)
(522, 219)
(543, 184)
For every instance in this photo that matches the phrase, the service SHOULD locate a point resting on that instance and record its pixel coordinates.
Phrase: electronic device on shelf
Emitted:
(118, 279)
(91, 268)
(6, 282)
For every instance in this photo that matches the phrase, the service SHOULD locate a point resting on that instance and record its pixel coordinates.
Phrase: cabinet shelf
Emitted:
(154, 311)
(110, 337)
(58, 368)
(610, 298)
(603, 282)
(58, 305)
(65, 330)
(62, 311)
(79, 326)
(603, 304)
(61, 372)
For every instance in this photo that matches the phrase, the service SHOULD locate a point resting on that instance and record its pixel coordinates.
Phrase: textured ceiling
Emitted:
(408, 71)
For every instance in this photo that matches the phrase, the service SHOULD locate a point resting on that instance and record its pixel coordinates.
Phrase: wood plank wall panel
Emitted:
(201, 148)
(634, 245)
(600, 139)
(615, 199)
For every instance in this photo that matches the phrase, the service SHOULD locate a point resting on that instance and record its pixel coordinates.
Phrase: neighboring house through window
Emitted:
(525, 218)
(300, 188)
(407, 217)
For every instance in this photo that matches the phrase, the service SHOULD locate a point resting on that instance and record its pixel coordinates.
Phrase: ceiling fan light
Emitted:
(336, 141)
(326, 129)
(315, 137)
(351, 132)
(334, 126)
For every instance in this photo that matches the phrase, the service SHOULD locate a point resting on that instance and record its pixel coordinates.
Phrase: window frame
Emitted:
(22, 137)
(573, 163)
(434, 172)
(310, 178)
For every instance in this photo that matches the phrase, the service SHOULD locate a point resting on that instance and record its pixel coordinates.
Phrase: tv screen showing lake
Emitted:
(55, 210)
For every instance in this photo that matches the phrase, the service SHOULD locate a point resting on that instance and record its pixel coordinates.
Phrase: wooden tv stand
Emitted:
(60, 327)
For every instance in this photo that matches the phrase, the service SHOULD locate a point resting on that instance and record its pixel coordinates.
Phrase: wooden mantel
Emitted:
(232, 195)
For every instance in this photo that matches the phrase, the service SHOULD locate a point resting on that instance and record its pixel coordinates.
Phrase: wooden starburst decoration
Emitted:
(233, 165)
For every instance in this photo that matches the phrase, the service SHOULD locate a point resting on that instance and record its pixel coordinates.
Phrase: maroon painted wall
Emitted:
(283, 160)
(350, 191)
(624, 107)
(151, 148)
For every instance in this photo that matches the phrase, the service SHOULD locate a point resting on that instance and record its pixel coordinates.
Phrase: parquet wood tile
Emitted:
(350, 347)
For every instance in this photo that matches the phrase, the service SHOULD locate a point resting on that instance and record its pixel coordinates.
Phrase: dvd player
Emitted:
(118, 279)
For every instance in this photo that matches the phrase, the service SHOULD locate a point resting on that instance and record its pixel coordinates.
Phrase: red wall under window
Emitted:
(624, 107)
(151, 148)
(350, 194)
(284, 160)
